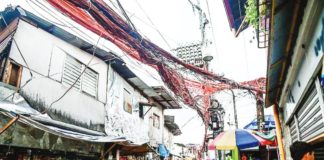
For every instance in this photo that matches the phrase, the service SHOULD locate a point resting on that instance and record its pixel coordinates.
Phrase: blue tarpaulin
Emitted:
(269, 123)
(164, 152)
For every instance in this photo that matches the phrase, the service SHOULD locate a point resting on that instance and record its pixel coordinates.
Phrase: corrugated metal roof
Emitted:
(119, 65)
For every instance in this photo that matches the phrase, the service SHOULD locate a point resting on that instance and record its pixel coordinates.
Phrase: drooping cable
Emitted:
(18, 48)
(165, 41)
(85, 68)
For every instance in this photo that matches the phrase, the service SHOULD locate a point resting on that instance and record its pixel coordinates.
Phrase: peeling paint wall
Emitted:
(45, 55)
(167, 138)
(285, 132)
(118, 121)
(156, 134)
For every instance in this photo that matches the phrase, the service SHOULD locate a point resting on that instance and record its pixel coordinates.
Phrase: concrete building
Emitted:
(107, 109)
(190, 54)
(295, 71)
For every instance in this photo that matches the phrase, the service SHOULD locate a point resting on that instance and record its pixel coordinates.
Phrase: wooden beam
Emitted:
(108, 150)
(10, 123)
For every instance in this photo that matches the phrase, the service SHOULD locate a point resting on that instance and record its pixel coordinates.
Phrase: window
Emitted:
(87, 83)
(127, 102)
(13, 74)
(141, 111)
(156, 121)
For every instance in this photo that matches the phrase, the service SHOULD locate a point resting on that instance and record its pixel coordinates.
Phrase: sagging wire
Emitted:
(51, 13)
(85, 68)
(203, 21)
(166, 55)
(212, 28)
(244, 45)
(149, 25)
(47, 9)
(126, 16)
(22, 56)
(165, 41)
(18, 48)
(162, 59)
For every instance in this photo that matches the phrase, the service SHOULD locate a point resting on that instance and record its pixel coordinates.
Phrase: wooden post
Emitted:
(117, 154)
(235, 111)
(278, 133)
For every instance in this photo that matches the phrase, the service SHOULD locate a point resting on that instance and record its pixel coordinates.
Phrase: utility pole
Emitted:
(235, 112)
(207, 57)
(260, 111)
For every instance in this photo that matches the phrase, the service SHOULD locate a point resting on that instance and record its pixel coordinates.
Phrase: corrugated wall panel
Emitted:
(309, 115)
(293, 131)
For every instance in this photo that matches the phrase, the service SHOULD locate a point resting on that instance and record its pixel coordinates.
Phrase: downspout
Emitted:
(278, 132)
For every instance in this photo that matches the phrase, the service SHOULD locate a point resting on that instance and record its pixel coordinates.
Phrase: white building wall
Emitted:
(306, 73)
(167, 138)
(45, 55)
(156, 134)
(118, 121)
(308, 68)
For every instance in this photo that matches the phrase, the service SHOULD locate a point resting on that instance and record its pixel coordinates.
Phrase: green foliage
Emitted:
(251, 15)
(251, 12)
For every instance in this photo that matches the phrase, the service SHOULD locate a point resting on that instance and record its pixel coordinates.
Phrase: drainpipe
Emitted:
(278, 132)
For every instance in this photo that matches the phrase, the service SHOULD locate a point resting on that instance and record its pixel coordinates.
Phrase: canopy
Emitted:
(229, 140)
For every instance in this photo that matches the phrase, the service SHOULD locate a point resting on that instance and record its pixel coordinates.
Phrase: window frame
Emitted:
(8, 72)
(156, 121)
(83, 70)
(127, 101)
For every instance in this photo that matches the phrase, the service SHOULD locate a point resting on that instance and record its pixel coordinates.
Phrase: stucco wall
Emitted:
(167, 138)
(45, 55)
(156, 134)
(309, 66)
(118, 121)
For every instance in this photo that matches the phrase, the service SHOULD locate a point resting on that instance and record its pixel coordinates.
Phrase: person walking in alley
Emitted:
(302, 151)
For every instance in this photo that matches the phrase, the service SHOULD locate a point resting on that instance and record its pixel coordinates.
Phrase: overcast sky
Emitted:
(236, 58)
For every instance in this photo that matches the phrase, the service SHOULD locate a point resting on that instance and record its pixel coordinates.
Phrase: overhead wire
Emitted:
(244, 44)
(23, 58)
(18, 48)
(213, 33)
(85, 68)
(167, 71)
(71, 26)
(46, 9)
(166, 42)
(144, 22)
(55, 16)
